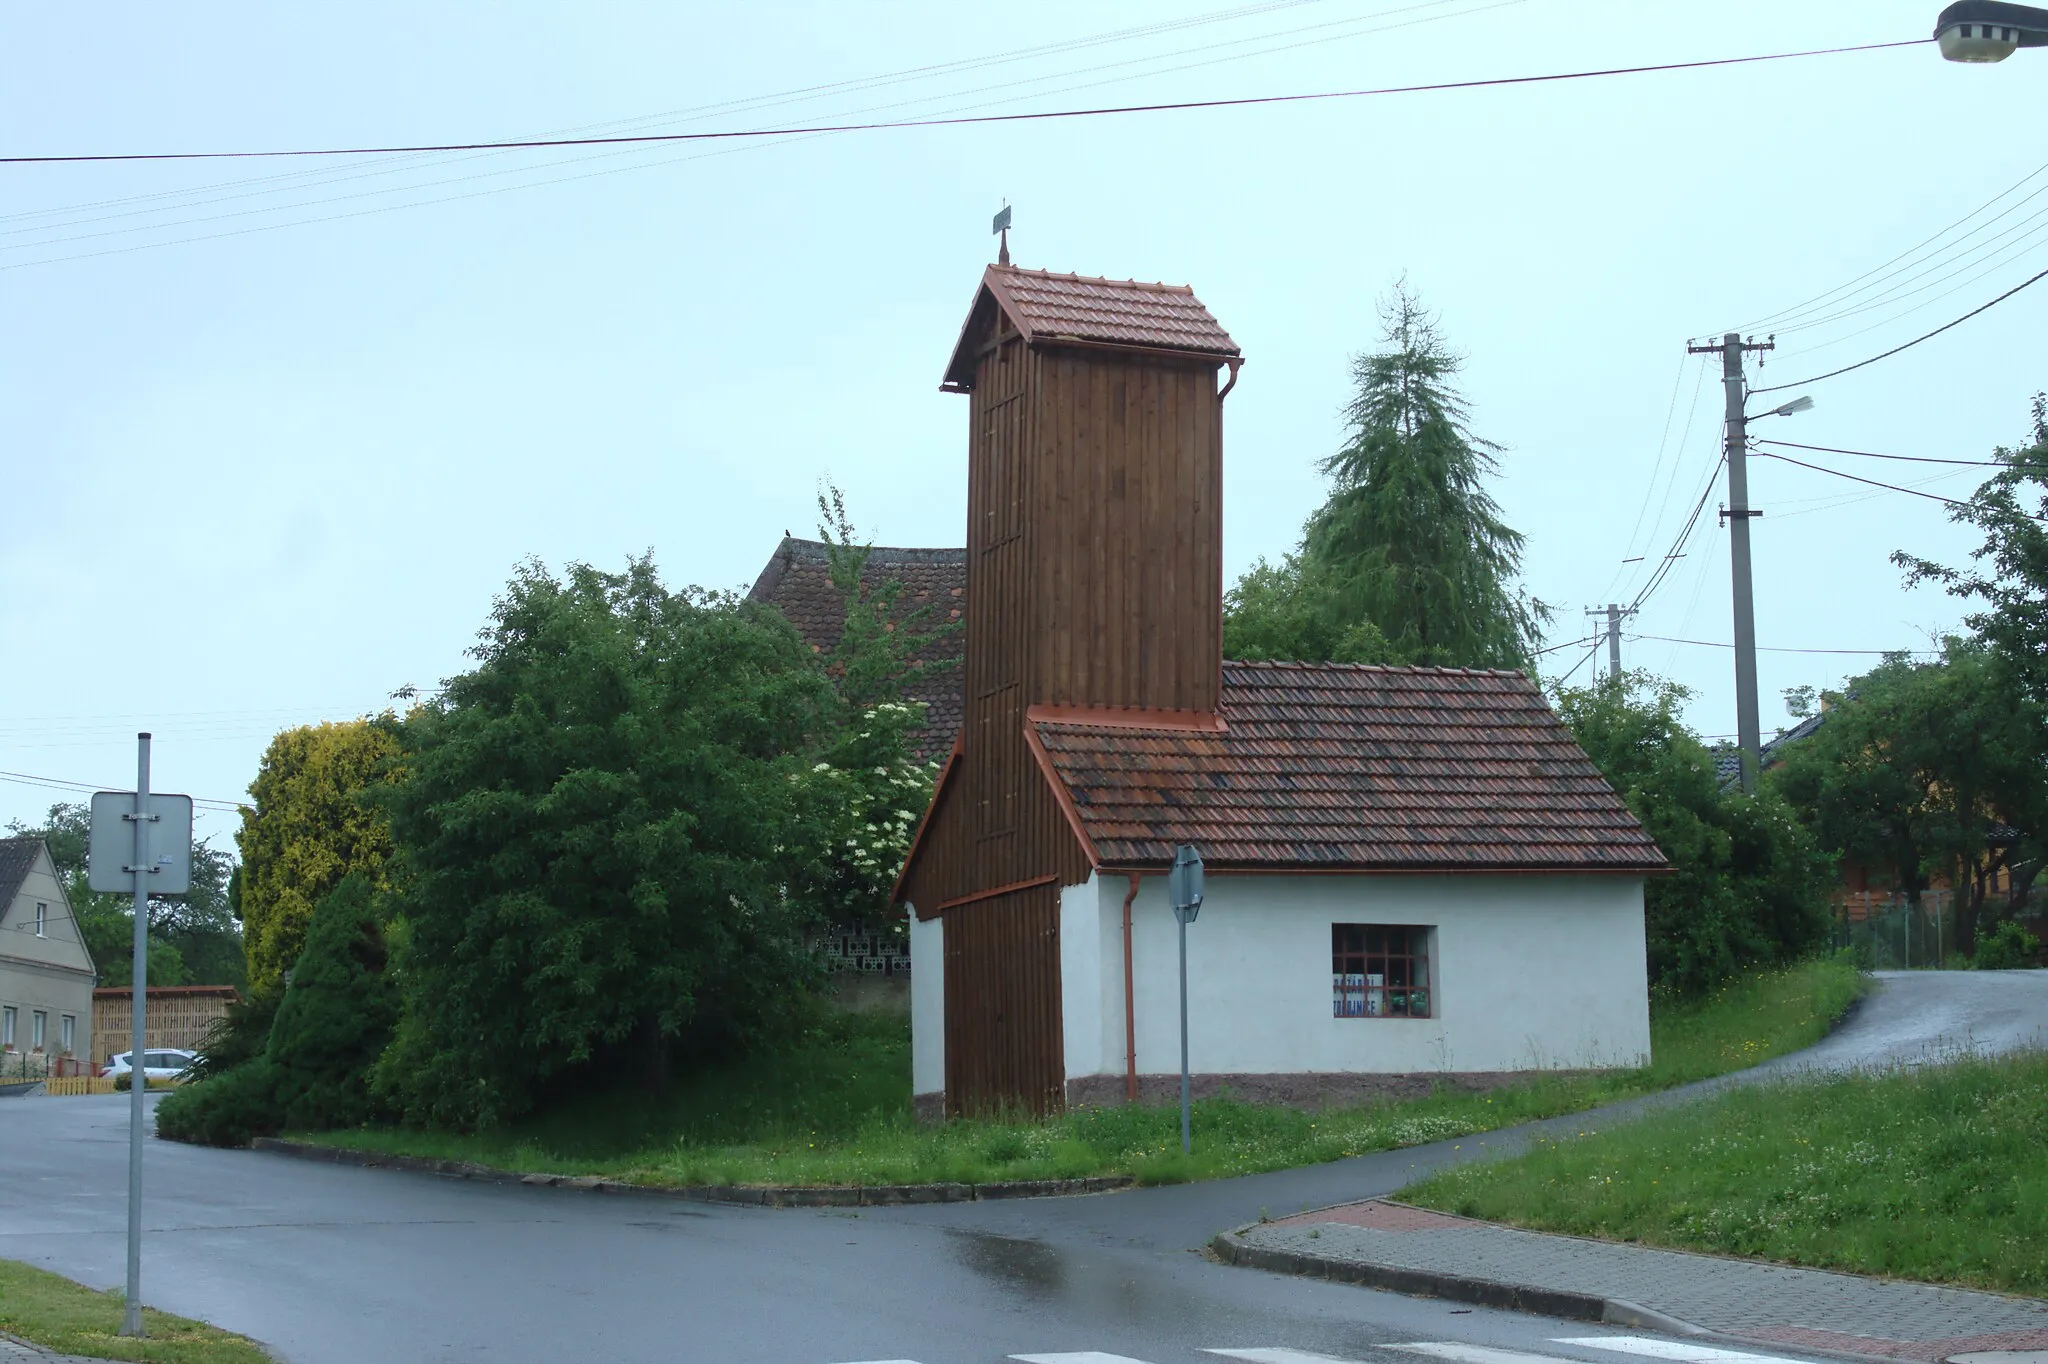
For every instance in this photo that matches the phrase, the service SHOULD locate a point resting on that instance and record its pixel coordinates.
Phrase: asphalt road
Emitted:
(336, 1264)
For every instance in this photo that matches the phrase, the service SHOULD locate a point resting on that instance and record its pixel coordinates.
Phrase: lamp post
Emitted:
(1989, 30)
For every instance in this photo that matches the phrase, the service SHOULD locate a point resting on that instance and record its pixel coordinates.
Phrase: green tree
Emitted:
(595, 826)
(1748, 885)
(328, 1029)
(2008, 572)
(310, 824)
(882, 649)
(1928, 769)
(193, 937)
(1291, 610)
(1409, 542)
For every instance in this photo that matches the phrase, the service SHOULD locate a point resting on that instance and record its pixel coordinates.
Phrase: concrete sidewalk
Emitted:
(1390, 1245)
(14, 1350)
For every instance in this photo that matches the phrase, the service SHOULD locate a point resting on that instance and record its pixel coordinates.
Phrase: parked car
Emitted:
(160, 1063)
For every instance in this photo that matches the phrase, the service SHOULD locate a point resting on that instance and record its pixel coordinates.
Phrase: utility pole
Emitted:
(1615, 615)
(1736, 515)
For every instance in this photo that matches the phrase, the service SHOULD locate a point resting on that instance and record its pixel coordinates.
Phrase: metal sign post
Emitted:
(160, 865)
(1184, 889)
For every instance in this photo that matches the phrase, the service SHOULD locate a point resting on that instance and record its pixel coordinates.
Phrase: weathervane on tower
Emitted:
(1002, 229)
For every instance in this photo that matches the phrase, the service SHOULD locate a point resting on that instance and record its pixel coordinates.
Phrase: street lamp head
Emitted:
(1799, 404)
(1989, 30)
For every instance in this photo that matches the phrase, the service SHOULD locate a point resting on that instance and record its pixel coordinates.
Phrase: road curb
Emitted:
(741, 1195)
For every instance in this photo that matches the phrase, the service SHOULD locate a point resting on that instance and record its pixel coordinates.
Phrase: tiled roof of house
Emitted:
(1336, 766)
(1049, 307)
(798, 580)
(17, 860)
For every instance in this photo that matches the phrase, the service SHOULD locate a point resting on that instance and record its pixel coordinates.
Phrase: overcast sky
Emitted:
(276, 432)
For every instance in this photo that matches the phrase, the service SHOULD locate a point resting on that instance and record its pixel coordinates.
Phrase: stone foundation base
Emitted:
(1306, 1090)
(1310, 1090)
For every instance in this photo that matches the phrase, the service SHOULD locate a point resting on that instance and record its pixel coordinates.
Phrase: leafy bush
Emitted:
(593, 827)
(2007, 948)
(238, 1035)
(1749, 884)
(230, 1109)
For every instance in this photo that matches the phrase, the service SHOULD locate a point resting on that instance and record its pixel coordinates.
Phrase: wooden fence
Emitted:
(179, 1016)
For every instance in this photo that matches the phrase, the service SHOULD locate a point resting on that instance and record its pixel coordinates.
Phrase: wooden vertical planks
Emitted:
(1093, 579)
(1004, 1045)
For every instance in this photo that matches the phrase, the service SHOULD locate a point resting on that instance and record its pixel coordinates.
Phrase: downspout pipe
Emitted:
(1130, 1005)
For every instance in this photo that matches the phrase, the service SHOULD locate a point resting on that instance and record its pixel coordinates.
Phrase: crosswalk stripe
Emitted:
(1460, 1353)
(1279, 1356)
(1083, 1357)
(1673, 1350)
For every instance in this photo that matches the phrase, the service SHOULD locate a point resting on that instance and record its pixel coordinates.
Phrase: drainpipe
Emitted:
(1225, 393)
(1130, 1005)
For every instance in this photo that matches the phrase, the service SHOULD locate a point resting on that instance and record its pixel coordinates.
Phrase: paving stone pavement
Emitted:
(16, 1351)
(1766, 1303)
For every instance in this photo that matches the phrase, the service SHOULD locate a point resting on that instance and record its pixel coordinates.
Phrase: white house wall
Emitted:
(927, 1004)
(1528, 972)
(1082, 956)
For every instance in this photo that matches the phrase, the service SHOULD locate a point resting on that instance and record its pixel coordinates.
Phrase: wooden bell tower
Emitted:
(1094, 580)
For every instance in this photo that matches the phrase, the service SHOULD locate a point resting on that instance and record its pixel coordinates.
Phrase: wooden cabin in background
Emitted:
(1429, 844)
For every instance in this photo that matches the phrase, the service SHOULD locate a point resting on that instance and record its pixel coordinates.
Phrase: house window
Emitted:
(42, 917)
(38, 1028)
(67, 1033)
(7, 1027)
(1379, 971)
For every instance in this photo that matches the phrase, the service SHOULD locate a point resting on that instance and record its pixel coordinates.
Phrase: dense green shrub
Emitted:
(228, 1110)
(2007, 948)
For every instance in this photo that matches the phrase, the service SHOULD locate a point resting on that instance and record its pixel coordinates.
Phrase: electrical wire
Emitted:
(959, 120)
(1886, 355)
(1767, 649)
(781, 135)
(87, 788)
(1872, 454)
(1888, 487)
(772, 99)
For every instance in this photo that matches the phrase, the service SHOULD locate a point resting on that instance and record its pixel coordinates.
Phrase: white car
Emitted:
(162, 1063)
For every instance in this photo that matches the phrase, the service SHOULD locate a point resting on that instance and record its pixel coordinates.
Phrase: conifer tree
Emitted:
(1410, 541)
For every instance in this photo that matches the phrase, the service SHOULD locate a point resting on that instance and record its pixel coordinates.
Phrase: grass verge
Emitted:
(51, 1311)
(1938, 1173)
(837, 1111)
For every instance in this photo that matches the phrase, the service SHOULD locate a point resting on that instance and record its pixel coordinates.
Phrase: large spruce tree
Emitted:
(1408, 560)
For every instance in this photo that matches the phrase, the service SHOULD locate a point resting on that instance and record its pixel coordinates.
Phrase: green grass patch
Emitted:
(1938, 1173)
(836, 1110)
(51, 1311)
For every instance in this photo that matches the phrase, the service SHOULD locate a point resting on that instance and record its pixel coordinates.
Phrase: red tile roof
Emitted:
(1341, 766)
(1049, 308)
(798, 580)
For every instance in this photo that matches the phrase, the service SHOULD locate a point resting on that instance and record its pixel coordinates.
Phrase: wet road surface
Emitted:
(334, 1264)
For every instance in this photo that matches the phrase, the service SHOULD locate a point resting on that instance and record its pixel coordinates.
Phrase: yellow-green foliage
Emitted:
(309, 828)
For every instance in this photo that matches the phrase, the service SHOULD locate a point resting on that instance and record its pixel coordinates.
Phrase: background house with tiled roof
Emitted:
(1416, 874)
(797, 580)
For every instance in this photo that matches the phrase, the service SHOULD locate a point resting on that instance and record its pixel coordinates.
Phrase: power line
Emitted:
(960, 120)
(1888, 487)
(781, 135)
(1872, 454)
(87, 788)
(1789, 319)
(1767, 649)
(1833, 373)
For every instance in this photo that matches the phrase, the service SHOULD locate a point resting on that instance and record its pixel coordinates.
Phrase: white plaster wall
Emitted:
(1081, 968)
(1529, 972)
(927, 1004)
